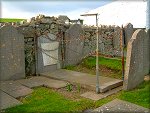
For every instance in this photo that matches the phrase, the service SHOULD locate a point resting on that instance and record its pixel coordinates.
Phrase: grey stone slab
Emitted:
(42, 81)
(86, 80)
(55, 83)
(128, 28)
(74, 47)
(135, 61)
(15, 89)
(32, 82)
(120, 106)
(94, 96)
(12, 59)
(7, 101)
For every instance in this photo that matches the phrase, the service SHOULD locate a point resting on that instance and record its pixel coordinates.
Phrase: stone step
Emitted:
(94, 96)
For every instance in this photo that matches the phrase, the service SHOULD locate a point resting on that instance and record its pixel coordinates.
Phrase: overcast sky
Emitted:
(27, 9)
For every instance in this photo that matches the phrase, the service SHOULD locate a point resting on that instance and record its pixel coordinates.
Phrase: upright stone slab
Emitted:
(12, 59)
(147, 53)
(128, 32)
(116, 41)
(134, 72)
(74, 45)
(48, 59)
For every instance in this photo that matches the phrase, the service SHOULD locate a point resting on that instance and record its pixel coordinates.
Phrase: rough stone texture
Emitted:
(86, 80)
(74, 49)
(146, 53)
(95, 97)
(134, 72)
(120, 106)
(128, 32)
(12, 60)
(14, 89)
(42, 81)
(7, 101)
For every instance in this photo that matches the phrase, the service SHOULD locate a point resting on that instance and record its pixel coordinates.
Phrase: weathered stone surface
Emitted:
(74, 49)
(134, 72)
(42, 81)
(14, 89)
(95, 97)
(7, 101)
(12, 60)
(146, 53)
(120, 106)
(128, 32)
(86, 80)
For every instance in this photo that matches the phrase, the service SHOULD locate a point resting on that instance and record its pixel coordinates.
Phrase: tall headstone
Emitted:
(74, 45)
(134, 72)
(128, 32)
(12, 59)
(147, 53)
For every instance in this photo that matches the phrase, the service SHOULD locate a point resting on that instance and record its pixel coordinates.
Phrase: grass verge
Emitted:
(10, 20)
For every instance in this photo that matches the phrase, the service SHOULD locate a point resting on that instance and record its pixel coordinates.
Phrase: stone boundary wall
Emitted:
(109, 38)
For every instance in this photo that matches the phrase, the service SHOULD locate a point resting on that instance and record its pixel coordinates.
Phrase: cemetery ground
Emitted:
(52, 100)
(68, 99)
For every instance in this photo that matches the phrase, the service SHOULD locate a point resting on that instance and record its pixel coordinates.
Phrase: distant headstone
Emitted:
(12, 59)
(128, 32)
(116, 41)
(74, 45)
(134, 72)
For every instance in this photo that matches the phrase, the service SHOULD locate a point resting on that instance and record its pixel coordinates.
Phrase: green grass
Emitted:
(10, 20)
(114, 64)
(47, 100)
(109, 67)
(140, 95)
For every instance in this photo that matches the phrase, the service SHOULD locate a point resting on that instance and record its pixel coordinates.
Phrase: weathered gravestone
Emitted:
(147, 53)
(116, 41)
(12, 59)
(48, 53)
(74, 45)
(128, 32)
(134, 73)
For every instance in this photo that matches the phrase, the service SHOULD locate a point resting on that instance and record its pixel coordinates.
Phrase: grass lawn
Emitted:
(10, 20)
(110, 67)
(48, 100)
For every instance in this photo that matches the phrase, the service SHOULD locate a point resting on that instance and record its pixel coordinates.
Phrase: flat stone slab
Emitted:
(15, 89)
(120, 106)
(84, 79)
(7, 101)
(94, 96)
(38, 81)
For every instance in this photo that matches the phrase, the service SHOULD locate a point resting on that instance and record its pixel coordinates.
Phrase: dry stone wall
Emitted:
(78, 38)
